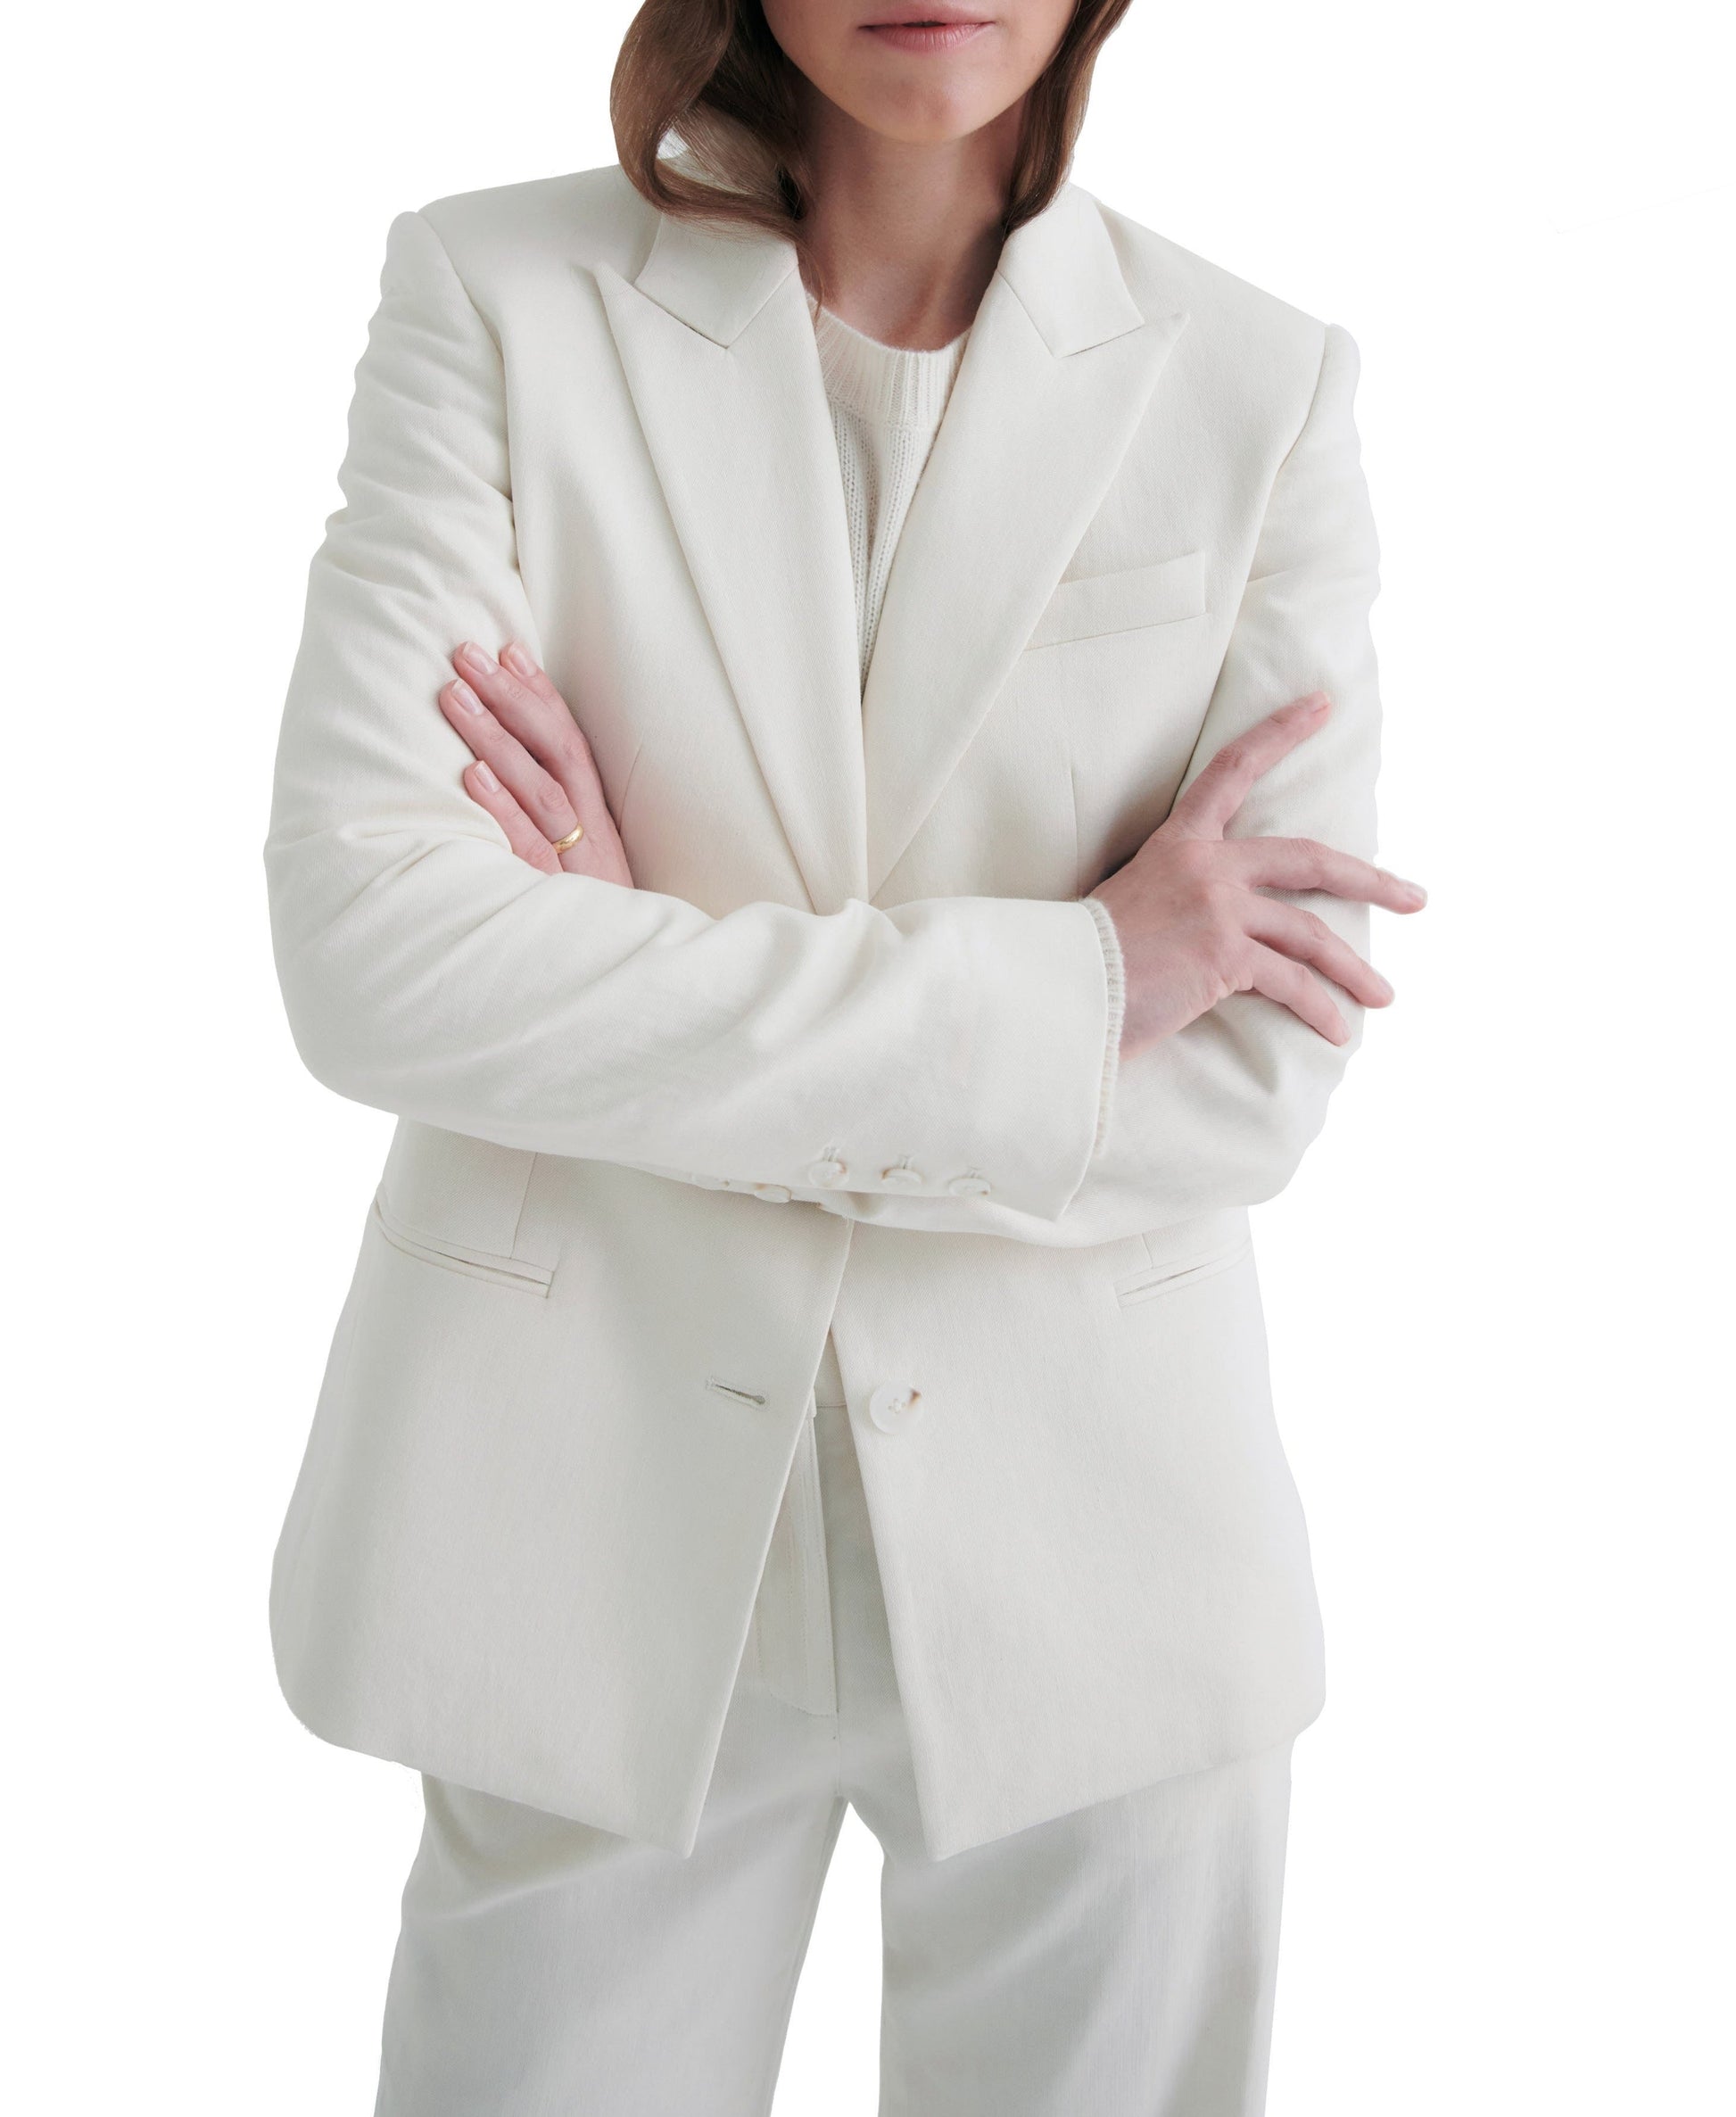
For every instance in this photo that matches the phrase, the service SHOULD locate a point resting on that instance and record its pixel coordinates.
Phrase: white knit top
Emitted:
(886, 406)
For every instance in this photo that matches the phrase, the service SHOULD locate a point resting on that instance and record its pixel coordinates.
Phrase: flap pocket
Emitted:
(499, 1271)
(1122, 602)
(445, 1187)
(1168, 1277)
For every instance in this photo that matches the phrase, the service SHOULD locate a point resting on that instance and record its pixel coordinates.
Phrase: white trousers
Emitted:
(1117, 1962)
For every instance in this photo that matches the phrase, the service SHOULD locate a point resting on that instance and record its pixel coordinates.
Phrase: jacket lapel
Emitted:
(1057, 373)
(716, 337)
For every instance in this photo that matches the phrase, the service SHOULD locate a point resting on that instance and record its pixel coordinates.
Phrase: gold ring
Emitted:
(563, 845)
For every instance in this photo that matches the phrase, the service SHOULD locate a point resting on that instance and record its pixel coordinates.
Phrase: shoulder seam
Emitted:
(1313, 401)
(420, 213)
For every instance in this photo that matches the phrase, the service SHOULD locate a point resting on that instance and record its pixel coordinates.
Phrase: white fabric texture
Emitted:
(842, 1058)
(887, 403)
(1120, 1961)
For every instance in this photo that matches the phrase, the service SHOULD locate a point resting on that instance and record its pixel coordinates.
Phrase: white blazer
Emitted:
(840, 1059)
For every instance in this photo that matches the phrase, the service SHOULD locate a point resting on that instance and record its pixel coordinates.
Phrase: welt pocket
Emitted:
(1096, 604)
(518, 1272)
(1170, 1278)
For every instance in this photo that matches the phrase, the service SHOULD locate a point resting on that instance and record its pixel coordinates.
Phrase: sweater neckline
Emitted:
(888, 385)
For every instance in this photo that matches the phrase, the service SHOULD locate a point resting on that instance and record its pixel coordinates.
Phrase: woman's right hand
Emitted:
(534, 773)
(1194, 923)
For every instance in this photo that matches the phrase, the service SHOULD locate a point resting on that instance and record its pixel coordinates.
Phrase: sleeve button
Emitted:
(902, 1177)
(832, 1170)
(774, 1193)
(969, 1185)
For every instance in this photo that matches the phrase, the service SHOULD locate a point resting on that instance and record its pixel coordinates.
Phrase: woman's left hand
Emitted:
(534, 773)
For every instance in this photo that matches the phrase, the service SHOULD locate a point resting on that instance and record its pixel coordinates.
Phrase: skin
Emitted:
(913, 114)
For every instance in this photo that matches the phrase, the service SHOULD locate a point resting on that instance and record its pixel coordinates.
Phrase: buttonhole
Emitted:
(742, 1396)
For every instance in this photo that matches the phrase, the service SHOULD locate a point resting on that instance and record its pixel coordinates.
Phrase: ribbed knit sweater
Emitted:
(886, 406)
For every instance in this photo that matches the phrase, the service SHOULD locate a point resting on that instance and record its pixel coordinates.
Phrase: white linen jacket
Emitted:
(845, 1058)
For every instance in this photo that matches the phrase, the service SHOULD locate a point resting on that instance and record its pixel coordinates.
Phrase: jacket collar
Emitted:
(1061, 264)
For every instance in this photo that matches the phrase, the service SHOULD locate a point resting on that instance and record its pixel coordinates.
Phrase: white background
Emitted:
(1493, 1290)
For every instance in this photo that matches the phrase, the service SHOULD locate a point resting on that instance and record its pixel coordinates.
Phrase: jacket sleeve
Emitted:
(1220, 1114)
(427, 972)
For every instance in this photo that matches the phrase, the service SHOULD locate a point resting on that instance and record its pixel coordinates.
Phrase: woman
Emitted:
(880, 894)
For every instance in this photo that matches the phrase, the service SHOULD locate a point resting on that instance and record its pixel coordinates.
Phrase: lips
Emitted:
(932, 28)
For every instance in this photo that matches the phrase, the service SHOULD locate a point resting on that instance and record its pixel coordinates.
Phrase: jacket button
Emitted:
(775, 1193)
(827, 1172)
(971, 1186)
(903, 1177)
(893, 1406)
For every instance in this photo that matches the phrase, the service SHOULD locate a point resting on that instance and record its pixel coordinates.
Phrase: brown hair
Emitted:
(711, 72)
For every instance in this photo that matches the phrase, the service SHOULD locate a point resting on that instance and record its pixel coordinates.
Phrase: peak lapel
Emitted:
(718, 346)
(1060, 365)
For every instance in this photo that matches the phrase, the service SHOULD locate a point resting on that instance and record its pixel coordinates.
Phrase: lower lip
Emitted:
(925, 37)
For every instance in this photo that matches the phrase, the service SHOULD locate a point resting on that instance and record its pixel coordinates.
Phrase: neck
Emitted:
(906, 235)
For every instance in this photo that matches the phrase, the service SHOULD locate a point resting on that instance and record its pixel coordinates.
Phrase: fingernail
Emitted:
(517, 660)
(486, 778)
(465, 695)
(484, 663)
(1414, 889)
(1382, 987)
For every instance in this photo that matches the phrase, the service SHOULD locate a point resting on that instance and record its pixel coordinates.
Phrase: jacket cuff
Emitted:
(1115, 974)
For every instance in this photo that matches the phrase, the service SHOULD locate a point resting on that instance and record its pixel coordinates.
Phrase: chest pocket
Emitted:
(1096, 604)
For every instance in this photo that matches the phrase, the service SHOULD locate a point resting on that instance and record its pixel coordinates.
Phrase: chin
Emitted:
(929, 119)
